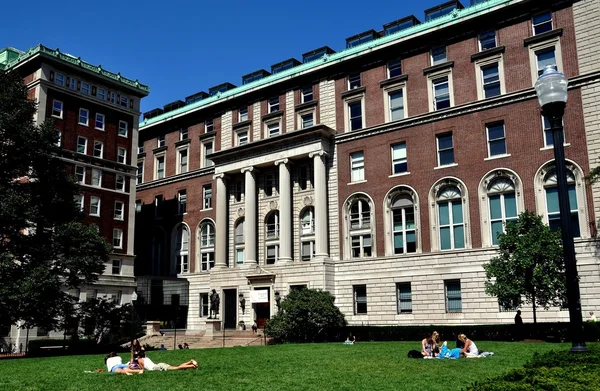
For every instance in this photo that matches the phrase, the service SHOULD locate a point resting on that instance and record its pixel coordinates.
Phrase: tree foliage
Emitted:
(529, 267)
(306, 315)
(45, 249)
(105, 322)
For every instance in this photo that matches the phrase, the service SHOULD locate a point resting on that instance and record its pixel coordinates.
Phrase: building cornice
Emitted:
(175, 178)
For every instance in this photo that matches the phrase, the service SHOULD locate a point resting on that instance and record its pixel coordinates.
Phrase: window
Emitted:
(490, 77)
(272, 226)
(85, 88)
(544, 58)
(158, 206)
(542, 23)
(140, 173)
(116, 267)
(438, 55)
(441, 93)
(272, 254)
(399, 161)
(242, 137)
(307, 120)
(84, 117)
(403, 224)
(496, 139)
(207, 150)
(120, 182)
(138, 206)
(307, 94)
(450, 218)
(396, 105)
(360, 229)
(207, 246)
(73, 84)
(503, 205)
(121, 155)
(57, 108)
(404, 294)
(101, 94)
(357, 166)
(548, 138)
(99, 121)
(117, 238)
(552, 205)
(123, 100)
(304, 176)
(273, 129)
(81, 144)
(273, 104)
(239, 242)
(58, 138)
(271, 184)
(59, 79)
(140, 146)
(160, 141)
(237, 190)
(94, 206)
(453, 296)
(353, 81)
(207, 196)
(182, 202)
(394, 68)
(307, 234)
(355, 116)
(243, 113)
(183, 161)
(112, 98)
(360, 299)
(123, 128)
(80, 174)
(96, 177)
(182, 239)
(487, 40)
(98, 149)
(78, 202)
(119, 210)
(160, 167)
(204, 305)
(208, 126)
(445, 147)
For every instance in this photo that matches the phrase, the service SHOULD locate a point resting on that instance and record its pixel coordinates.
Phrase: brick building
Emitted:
(97, 114)
(382, 172)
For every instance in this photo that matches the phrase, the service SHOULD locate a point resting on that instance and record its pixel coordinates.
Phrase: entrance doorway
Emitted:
(262, 311)
(230, 308)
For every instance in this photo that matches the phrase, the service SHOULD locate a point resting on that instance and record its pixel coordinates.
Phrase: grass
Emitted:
(364, 366)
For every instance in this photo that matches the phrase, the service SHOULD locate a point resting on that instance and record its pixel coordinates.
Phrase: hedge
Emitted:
(59, 347)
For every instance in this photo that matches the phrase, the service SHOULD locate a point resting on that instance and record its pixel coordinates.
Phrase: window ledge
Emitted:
(542, 37)
(497, 157)
(159, 149)
(183, 142)
(438, 67)
(487, 53)
(56, 116)
(393, 80)
(120, 135)
(353, 92)
(275, 114)
(357, 182)
(102, 130)
(306, 105)
(207, 209)
(551, 147)
(207, 135)
(141, 155)
(242, 124)
(445, 166)
(400, 174)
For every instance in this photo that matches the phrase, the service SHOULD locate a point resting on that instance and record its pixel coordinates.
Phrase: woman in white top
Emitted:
(145, 363)
(470, 349)
(114, 364)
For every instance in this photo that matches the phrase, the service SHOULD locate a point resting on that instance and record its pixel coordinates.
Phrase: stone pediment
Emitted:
(259, 274)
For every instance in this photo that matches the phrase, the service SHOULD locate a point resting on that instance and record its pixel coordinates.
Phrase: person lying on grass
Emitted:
(144, 363)
(115, 364)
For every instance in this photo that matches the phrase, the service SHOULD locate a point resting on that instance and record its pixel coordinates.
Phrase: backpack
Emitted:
(414, 354)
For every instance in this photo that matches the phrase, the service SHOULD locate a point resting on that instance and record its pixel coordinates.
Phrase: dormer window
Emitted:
(284, 65)
(359, 39)
(441, 10)
(316, 54)
(399, 25)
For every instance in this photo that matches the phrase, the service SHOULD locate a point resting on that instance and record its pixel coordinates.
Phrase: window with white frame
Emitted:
(273, 104)
(453, 296)
(239, 241)
(208, 126)
(112, 97)
(85, 88)
(541, 23)
(117, 238)
(207, 149)
(161, 141)
(545, 57)
(207, 196)
(73, 84)
(204, 305)
(120, 182)
(445, 148)
(182, 239)
(243, 114)
(395, 104)
(84, 117)
(183, 134)
(98, 149)
(94, 206)
(207, 246)
(116, 267)
(80, 174)
(241, 137)
(81, 145)
(355, 114)
(159, 167)
(438, 55)
(394, 68)
(360, 228)
(441, 93)
(182, 202)
(121, 155)
(404, 232)
(451, 222)
(59, 79)
(307, 234)
(96, 177)
(307, 119)
(307, 94)
(404, 295)
(271, 238)
(101, 94)
(99, 121)
(503, 205)
(119, 210)
(490, 80)
(182, 158)
(123, 129)
(487, 40)
(496, 139)
(57, 109)
(140, 173)
(140, 146)
(360, 299)
(548, 137)
(552, 205)
(353, 81)
(78, 198)
(357, 166)
(271, 253)
(399, 160)
(273, 128)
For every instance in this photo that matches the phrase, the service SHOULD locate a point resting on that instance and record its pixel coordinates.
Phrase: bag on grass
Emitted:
(414, 354)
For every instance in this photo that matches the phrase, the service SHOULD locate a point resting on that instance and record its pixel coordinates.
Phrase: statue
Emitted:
(214, 305)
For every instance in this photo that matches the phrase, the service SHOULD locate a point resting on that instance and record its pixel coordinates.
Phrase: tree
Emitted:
(529, 268)
(105, 322)
(306, 315)
(45, 249)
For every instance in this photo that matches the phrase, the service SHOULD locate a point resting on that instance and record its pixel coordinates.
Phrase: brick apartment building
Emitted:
(97, 114)
(381, 173)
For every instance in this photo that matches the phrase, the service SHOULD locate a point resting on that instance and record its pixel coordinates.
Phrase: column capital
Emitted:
(282, 161)
(317, 153)
(248, 169)
(220, 176)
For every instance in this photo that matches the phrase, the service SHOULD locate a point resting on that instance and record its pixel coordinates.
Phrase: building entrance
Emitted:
(230, 308)
(262, 311)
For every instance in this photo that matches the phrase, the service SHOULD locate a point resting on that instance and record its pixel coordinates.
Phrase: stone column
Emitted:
(222, 223)
(285, 211)
(320, 186)
(250, 226)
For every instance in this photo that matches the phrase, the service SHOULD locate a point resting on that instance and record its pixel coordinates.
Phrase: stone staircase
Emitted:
(220, 339)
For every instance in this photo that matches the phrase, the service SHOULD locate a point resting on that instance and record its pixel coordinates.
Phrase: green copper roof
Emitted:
(454, 17)
(11, 57)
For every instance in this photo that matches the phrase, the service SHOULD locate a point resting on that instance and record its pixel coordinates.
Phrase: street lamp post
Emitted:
(551, 90)
(134, 297)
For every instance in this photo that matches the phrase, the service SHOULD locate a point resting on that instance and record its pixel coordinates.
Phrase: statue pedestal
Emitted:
(212, 326)
(153, 327)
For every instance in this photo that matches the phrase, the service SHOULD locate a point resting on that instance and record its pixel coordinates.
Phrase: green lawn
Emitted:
(364, 366)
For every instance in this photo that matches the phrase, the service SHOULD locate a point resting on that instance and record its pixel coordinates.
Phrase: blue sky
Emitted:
(182, 46)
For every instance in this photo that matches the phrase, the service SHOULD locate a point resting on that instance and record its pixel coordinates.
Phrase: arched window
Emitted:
(182, 239)
(552, 208)
(272, 238)
(307, 234)
(207, 246)
(239, 241)
(403, 224)
(360, 232)
(451, 222)
(502, 205)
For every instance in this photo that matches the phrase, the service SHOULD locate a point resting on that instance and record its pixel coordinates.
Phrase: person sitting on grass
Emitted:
(470, 349)
(115, 364)
(147, 364)
(429, 344)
